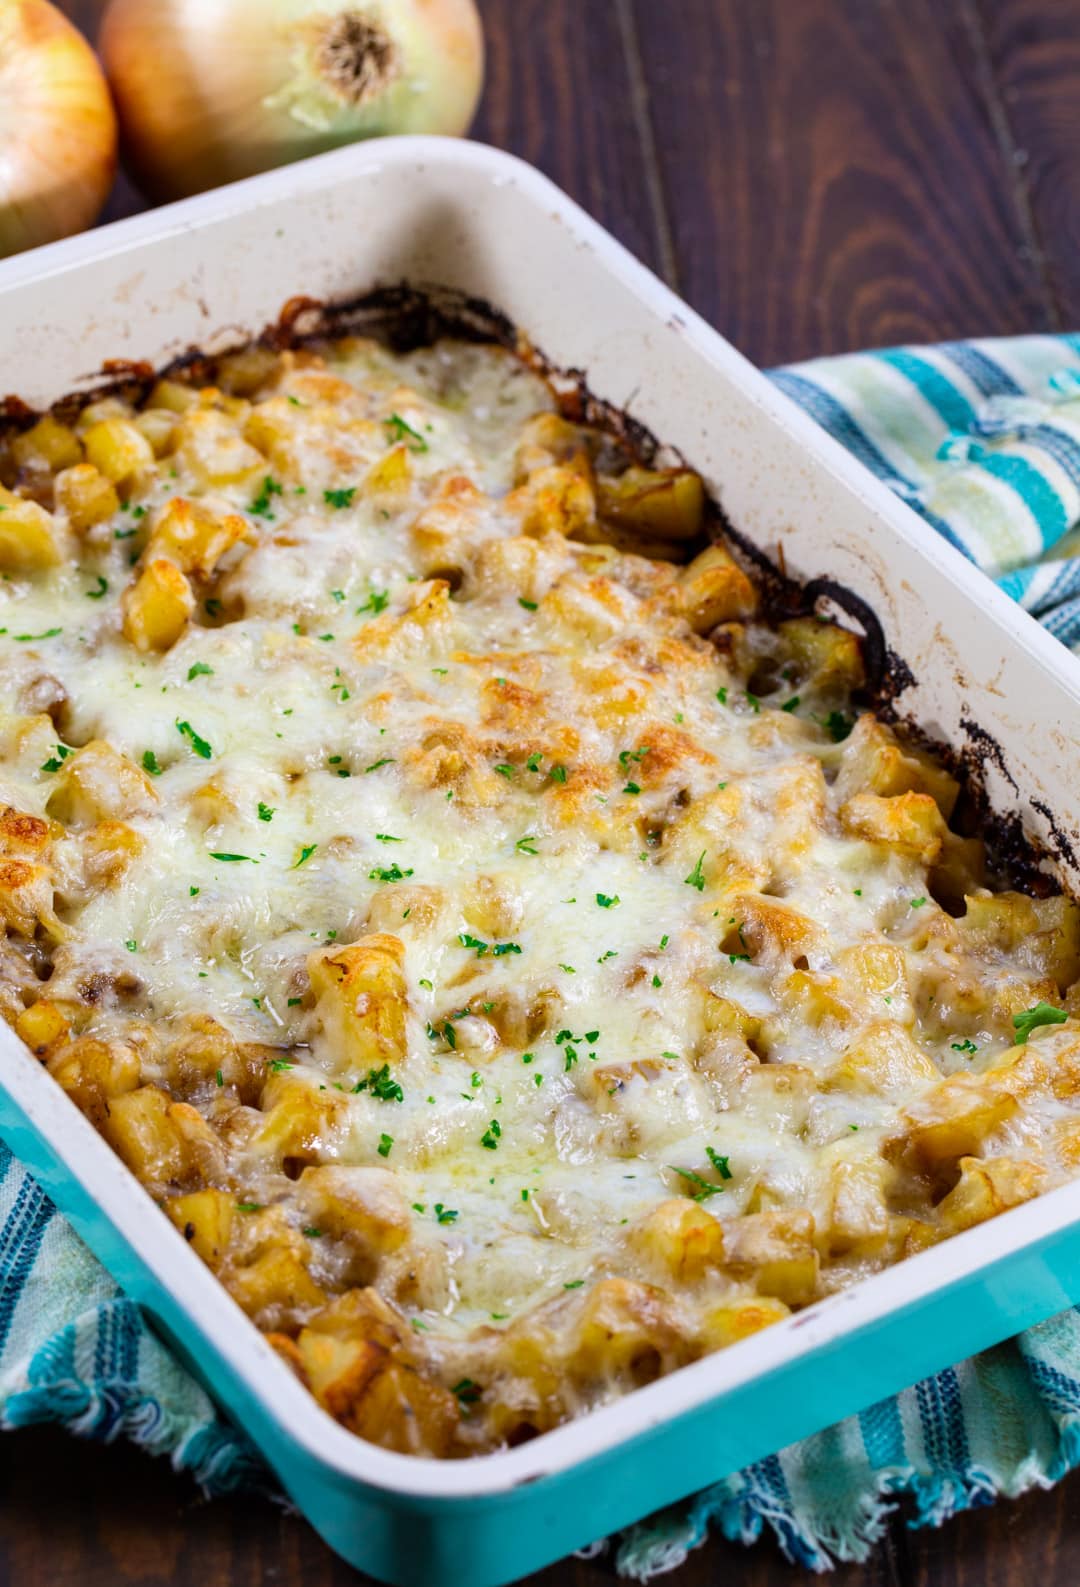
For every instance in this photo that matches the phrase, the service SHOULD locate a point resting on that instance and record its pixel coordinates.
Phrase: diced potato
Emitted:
(299, 1120)
(954, 1119)
(829, 656)
(212, 447)
(43, 1028)
(777, 1250)
(26, 898)
(665, 504)
(987, 1186)
(545, 439)
(276, 1290)
(158, 426)
(390, 475)
(98, 783)
(884, 1060)
(681, 1239)
(858, 1215)
(1043, 932)
(86, 496)
(108, 850)
(427, 624)
(93, 1072)
(118, 450)
(714, 588)
(872, 761)
(909, 822)
(364, 1206)
(173, 395)
(138, 1127)
(194, 537)
(361, 999)
(157, 607)
(626, 1328)
(47, 442)
(726, 1325)
(27, 539)
(553, 501)
(205, 1219)
(24, 835)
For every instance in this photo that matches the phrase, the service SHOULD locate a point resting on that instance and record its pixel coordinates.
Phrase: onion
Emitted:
(212, 90)
(57, 127)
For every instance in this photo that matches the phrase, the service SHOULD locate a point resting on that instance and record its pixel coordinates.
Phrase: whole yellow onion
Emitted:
(212, 90)
(57, 127)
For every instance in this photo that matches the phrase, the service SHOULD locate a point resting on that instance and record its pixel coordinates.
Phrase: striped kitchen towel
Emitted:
(983, 439)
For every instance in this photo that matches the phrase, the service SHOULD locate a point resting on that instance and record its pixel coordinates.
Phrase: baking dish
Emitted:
(216, 268)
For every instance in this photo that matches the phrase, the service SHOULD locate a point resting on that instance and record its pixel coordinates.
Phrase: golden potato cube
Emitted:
(726, 1325)
(553, 501)
(714, 588)
(987, 1186)
(681, 1239)
(25, 835)
(47, 442)
(376, 1394)
(138, 1128)
(98, 783)
(86, 496)
(872, 761)
(205, 1219)
(777, 1250)
(108, 849)
(298, 1119)
(27, 541)
(158, 426)
(173, 396)
(118, 450)
(194, 537)
(627, 1328)
(390, 475)
(829, 656)
(93, 1071)
(858, 1216)
(954, 1119)
(157, 607)
(42, 1027)
(884, 1060)
(548, 438)
(664, 504)
(275, 1290)
(365, 1206)
(361, 999)
(26, 898)
(909, 822)
(213, 448)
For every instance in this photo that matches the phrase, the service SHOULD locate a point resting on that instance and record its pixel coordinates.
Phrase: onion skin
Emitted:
(209, 91)
(57, 128)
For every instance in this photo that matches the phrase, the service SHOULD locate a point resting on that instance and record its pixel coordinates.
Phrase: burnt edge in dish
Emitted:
(407, 316)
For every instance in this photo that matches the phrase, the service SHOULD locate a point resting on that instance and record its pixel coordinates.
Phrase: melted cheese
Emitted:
(654, 955)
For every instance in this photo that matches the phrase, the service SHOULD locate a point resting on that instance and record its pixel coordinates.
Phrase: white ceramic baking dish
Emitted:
(427, 210)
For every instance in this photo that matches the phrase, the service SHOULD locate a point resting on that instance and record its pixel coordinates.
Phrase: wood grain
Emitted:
(1033, 47)
(814, 175)
(834, 174)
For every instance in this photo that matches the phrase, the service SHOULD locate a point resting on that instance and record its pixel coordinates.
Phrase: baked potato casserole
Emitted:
(515, 966)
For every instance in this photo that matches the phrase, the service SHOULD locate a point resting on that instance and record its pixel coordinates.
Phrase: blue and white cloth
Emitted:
(983, 439)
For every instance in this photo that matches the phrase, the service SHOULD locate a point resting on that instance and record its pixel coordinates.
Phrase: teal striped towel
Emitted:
(983, 439)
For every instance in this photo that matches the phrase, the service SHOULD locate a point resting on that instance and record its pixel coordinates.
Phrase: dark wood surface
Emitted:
(813, 175)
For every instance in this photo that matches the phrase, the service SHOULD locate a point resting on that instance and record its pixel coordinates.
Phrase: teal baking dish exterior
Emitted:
(480, 222)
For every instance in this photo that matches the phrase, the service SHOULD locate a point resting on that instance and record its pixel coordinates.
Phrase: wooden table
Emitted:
(813, 175)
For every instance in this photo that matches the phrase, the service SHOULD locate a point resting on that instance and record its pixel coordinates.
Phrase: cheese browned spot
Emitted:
(515, 968)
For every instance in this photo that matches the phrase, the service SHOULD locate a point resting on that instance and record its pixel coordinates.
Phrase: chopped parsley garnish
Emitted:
(445, 1214)
(261, 505)
(249, 1206)
(703, 1189)
(232, 858)
(490, 1137)
(55, 762)
(388, 761)
(220, 1078)
(131, 945)
(199, 669)
(385, 1143)
(150, 763)
(721, 695)
(266, 812)
(193, 892)
(279, 1066)
(199, 745)
(575, 1283)
(50, 633)
(466, 1391)
(339, 498)
(605, 902)
(790, 705)
(386, 837)
(306, 852)
(557, 773)
(656, 981)
(102, 588)
(1032, 1018)
(752, 701)
(399, 429)
(381, 1084)
(612, 953)
(966, 1045)
(627, 755)
(697, 875)
(502, 948)
(472, 942)
(631, 788)
(390, 873)
(504, 770)
(312, 1233)
(530, 606)
(916, 903)
(838, 726)
(664, 940)
(718, 1162)
(526, 844)
(377, 601)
